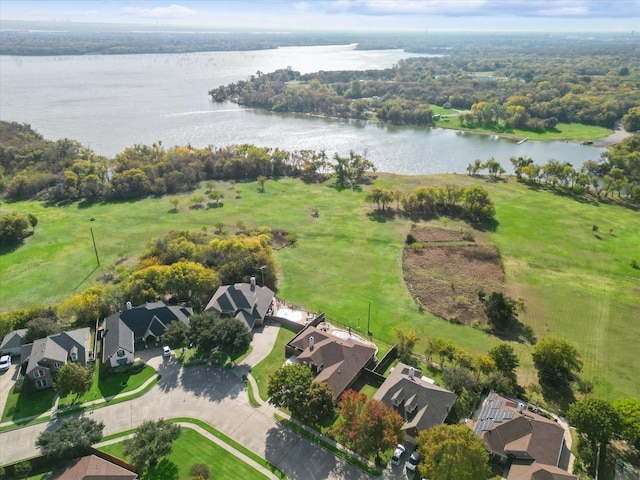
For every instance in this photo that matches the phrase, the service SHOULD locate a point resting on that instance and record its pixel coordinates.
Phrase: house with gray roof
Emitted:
(42, 359)
(418, 401)
(13, 341)
(335, 360)
(531, 446)
(245, 301)
(145, 323)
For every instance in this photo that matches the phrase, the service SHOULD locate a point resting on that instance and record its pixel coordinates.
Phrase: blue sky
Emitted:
(281, 15)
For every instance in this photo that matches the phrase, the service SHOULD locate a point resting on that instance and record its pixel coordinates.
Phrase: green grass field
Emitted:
(576, 285)
(576, 132)
(189, 449)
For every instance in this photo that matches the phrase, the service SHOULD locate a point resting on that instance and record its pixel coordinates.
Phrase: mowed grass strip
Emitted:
(576, 285)
(189, 449)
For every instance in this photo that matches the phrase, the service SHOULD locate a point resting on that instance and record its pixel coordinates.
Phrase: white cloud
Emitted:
(172, 11)
(302, 6)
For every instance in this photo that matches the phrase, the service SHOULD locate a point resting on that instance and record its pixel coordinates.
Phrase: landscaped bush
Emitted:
(200, 470)
(132, 368)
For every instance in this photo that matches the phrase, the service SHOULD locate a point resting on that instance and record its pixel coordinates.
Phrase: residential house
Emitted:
(531, 446)
(334, 360)
(13, 341)
(244, 301)
(42, 359)
(421, 403)
(145, 323)
(93, 467)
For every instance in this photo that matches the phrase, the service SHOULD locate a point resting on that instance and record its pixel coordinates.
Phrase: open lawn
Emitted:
(109, 386)
(189, 449)
(272, 362)
(576, 132)
(22, 405)
(577, 285)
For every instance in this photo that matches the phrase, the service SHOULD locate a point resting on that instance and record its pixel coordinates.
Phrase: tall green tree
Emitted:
(452, 452)
(71, 438)
(629, 412)
(598, 421)
(73, 378)
(289, 387)
(176, 334)
(556, 360)
(500, 310)
(367, 426)
(505, 357)
(151, 442)
(319, 405)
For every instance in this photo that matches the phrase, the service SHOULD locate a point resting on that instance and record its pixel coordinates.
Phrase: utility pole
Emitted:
(262, 270)
(369, 320)
(94, 246)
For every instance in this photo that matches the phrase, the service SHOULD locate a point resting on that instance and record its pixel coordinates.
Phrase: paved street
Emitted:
(218, 397)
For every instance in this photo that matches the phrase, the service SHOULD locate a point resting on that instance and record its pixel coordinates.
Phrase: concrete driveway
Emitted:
(7, 380)
(217, 396)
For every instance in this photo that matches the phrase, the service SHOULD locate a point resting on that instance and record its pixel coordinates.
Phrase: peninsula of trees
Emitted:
(503, 86)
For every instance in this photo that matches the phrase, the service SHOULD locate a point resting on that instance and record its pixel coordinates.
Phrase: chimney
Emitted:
(411, 372)
(253, 283)
(520, 408)
(129, 306)
(311, 340)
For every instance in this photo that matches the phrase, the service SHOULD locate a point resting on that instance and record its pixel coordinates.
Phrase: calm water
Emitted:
(111, 102)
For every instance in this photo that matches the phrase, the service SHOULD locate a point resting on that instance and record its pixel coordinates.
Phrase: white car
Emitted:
(412, 463)
(5, 362)
(396, 459)
(166, 351)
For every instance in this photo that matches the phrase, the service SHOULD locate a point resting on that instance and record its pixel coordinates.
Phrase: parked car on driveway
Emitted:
(5, 363)
(412, 463)
(166, 351)
(396, 459)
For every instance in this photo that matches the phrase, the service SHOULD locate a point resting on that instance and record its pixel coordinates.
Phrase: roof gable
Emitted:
(242, 300)
(152, 318)
(93, 467)
(420, 403)
(14, 339)
(57, 348)
(337, 361)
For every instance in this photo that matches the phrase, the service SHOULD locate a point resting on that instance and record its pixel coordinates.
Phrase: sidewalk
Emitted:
(53, 412)
(329, 441)
(212, 438)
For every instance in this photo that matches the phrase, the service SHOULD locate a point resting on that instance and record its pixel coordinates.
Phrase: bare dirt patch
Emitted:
(445, 272)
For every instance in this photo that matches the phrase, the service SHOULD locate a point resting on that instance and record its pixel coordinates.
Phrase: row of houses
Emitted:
(122, 331)
(530, 446)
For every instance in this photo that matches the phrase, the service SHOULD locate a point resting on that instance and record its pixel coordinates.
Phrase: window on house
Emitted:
(56, 365)
(74, 357)
(41, 383)
(120, 353)
(38, 373)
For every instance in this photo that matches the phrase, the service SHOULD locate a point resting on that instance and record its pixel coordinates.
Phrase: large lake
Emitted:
(111, 102)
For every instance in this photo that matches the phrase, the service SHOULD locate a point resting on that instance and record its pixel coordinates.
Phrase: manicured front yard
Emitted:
(109, 386)
(20, 404)
(273, 361)
(189, 449)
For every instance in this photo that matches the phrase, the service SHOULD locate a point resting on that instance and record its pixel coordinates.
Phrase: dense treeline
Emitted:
(180, 267)
(589, 82)
(51, 38)
(64, 170)
(472, 203)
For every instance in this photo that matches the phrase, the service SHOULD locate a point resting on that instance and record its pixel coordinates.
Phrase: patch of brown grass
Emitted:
(447, 272)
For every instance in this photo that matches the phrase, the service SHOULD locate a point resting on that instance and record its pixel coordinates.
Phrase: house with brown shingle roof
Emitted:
(93, 467)
(418, 401)
(334, 360)
(531, 446)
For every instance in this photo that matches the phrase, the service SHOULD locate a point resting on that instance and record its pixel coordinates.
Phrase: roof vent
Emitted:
(311, 340)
